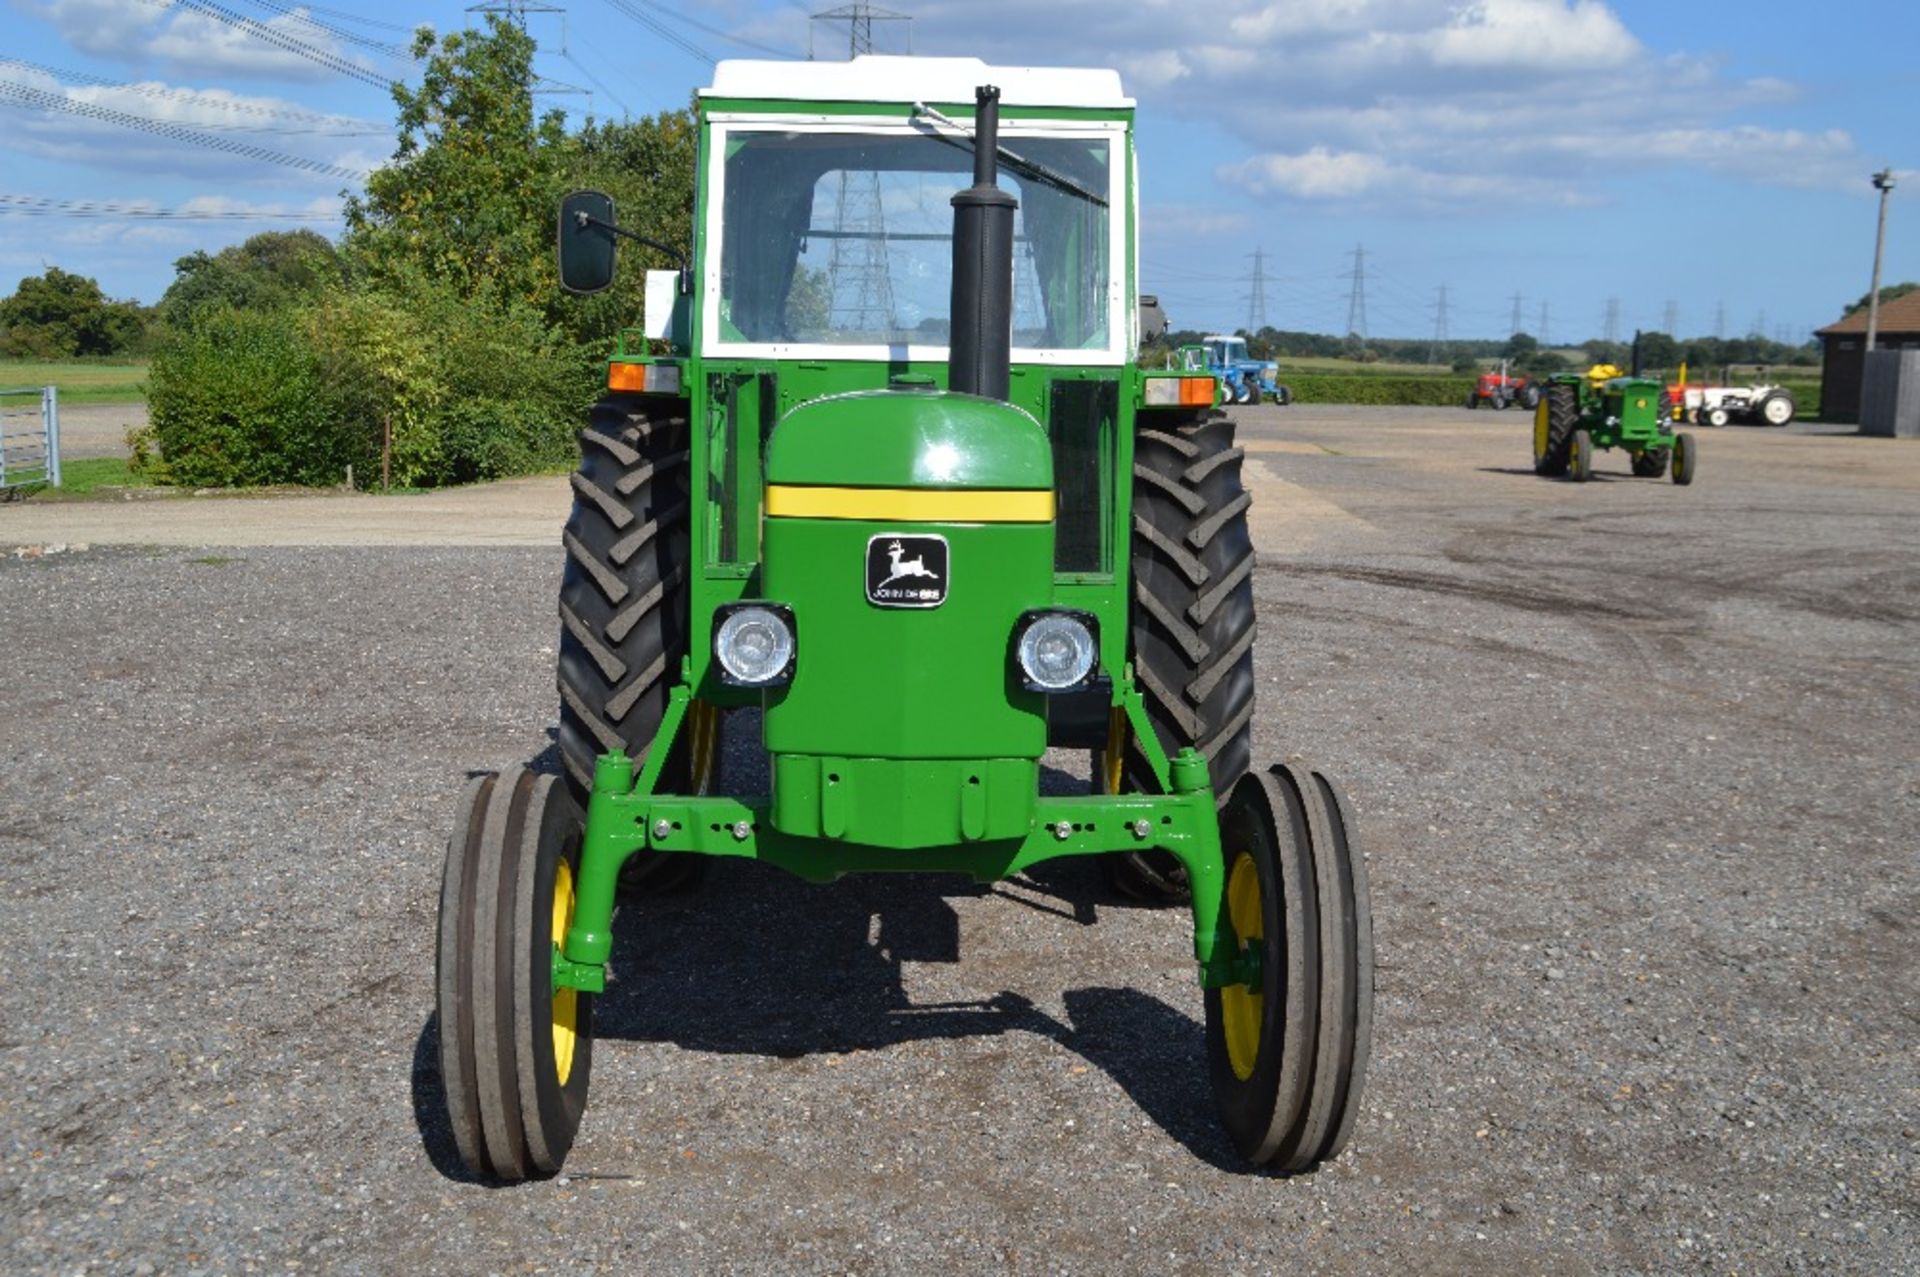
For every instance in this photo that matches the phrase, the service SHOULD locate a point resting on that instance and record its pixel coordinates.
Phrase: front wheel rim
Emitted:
(1243, 1009)
(566, 1001)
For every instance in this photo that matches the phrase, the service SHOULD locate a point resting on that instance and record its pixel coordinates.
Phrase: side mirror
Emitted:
(586, 241)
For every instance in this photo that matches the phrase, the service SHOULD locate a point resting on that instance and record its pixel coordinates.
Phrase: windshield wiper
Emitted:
(1019, 163)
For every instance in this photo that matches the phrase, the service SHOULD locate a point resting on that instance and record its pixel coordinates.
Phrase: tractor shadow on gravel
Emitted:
(758, 963)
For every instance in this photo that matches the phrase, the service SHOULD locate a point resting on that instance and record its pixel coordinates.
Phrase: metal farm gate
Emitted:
(29, 438)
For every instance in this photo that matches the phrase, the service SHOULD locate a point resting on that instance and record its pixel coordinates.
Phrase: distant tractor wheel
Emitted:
(1554, 419)
(1244, 393)
(515, 1053)
(1530, 397)
(1473, 399)
(623, 611)
(1580, 459)
(1499, 401)
(1777, 409)
(1192, 624)
(1651, 464)
(1717, 416)
(1287, 1053)
(1685, 457)
(1282, 396)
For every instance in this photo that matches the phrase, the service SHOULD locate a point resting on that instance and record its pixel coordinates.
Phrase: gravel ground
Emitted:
(98, 429)
(1635, 766)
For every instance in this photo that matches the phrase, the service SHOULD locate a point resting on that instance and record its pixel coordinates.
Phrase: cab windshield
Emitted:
(846, 238)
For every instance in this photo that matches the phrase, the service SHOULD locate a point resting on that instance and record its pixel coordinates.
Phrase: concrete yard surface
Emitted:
(1637, 774)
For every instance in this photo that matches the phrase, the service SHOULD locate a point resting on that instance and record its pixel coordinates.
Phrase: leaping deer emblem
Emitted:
(904, 567)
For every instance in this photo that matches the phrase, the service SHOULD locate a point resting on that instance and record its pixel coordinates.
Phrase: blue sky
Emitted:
(1708, 158)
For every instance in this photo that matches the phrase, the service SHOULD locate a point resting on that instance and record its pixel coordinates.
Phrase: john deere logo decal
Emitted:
(907, 571)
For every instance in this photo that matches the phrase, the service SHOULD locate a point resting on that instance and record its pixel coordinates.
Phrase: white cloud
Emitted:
(1466, 104)
(1533, 33)
(1322, 175)
(1155, 69)
(192, 43)
(57, 121)
(1183, 221)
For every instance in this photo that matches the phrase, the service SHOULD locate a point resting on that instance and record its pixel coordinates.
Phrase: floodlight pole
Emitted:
(1882, 182)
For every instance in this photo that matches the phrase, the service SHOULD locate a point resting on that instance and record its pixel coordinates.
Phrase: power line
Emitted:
(1542, 334)
(582, 68)
(1611, 328)
(662, 30)
(1439, 342)
(361, 19)
(22, 95)
(305, 17)
(281, 40)
(355, 127)
(1357, 299)
(859, 17)
(1513, 325)
(1257, 301)
(728, 36)
(41, 206)
(859, 277)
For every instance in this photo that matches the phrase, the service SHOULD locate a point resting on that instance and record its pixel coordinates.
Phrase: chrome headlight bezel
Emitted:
(1026, 628)
(780, 613)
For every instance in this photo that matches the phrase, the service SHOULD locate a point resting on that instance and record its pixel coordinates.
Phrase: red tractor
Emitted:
(1495, 388)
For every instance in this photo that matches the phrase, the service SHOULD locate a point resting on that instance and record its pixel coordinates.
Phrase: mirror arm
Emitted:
(584, 219)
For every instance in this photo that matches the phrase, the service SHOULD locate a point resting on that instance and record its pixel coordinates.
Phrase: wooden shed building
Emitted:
(1846, 352)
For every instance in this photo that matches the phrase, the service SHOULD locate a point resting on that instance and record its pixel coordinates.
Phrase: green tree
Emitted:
(1659, 350)
(1520, 347)
(58, 314)
(1887, 294)
(470, 195)
(268, 270)
(647, 165)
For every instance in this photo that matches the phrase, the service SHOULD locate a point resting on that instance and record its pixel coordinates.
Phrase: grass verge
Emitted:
(89, 477)
(80, 381)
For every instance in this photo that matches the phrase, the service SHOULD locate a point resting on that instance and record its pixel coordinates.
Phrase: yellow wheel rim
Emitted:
(1242, 1010)
(1116, 755)
(566, 1002)
(1540, 429)
(703, 745)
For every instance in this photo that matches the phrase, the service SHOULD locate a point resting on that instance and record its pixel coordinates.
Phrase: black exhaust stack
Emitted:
(982, 308)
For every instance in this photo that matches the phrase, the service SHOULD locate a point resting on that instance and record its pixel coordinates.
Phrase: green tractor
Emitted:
(1605, 408)
(883, 467)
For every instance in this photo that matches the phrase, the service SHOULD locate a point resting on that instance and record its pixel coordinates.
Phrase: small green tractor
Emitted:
(1605, 408)
(883, 467)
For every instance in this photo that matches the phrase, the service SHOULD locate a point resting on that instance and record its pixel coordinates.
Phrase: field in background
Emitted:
(80, 381)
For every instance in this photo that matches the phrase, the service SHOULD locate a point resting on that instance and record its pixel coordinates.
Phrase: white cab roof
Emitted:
(879, 78)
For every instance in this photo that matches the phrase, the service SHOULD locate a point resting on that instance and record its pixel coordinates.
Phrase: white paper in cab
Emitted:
(663, 289)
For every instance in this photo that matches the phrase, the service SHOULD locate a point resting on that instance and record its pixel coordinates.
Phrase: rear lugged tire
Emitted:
(515, 1054)
(1192, 615)
(623, 603)
(1554, 421)
(1287, 1055)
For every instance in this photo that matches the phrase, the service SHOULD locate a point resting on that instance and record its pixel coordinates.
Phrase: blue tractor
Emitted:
(1244, 379)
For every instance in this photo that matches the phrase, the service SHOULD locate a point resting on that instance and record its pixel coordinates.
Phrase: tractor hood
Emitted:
(909, 439)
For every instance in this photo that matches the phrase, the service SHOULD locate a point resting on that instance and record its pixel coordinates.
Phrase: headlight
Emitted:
(754, 644)
(1056, 650)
